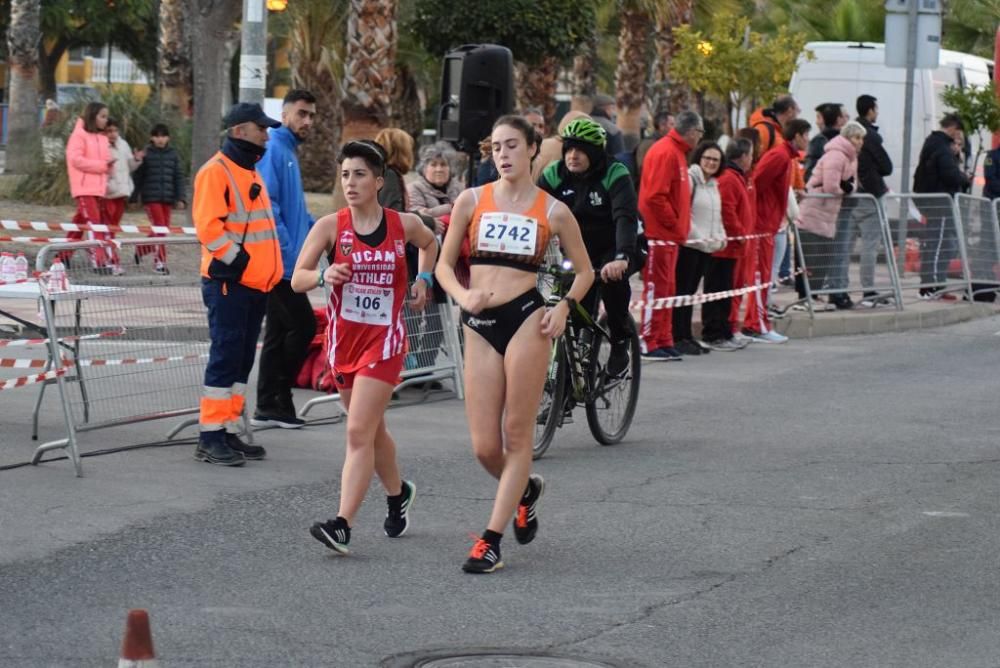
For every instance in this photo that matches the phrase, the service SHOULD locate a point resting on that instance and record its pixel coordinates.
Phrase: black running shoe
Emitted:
(483, 558)
(397, 519)
(335, 534)
(526, 519)
(254, 452)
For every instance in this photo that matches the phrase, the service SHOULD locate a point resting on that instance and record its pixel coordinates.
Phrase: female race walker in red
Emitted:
(508, 330)
(366, 248)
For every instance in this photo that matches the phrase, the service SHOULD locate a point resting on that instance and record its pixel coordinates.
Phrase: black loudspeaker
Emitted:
(477, 88)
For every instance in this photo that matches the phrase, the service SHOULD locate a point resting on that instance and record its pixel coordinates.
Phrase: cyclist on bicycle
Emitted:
(599, 192)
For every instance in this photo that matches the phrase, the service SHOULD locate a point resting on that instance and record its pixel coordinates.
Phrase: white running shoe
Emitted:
(770, 337)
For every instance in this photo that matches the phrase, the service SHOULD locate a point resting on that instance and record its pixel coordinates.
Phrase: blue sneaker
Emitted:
(663, 355)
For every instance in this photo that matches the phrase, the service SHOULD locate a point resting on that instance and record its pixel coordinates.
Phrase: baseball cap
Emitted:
(247, 112)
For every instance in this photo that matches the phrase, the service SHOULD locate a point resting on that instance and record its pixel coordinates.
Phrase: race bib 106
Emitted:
(509, 233)
(366, 304)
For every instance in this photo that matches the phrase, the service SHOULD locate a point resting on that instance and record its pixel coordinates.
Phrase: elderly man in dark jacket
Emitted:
(938, 171)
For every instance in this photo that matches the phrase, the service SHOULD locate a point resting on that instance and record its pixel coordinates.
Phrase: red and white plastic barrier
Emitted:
(93, 227)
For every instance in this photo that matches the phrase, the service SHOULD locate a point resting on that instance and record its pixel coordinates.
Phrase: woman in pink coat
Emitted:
(88, 163)
(834, 176)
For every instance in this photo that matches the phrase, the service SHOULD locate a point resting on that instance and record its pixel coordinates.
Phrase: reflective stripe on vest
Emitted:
(241, 208)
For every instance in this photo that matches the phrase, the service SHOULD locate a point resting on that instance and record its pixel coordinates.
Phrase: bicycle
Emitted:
(577, 374)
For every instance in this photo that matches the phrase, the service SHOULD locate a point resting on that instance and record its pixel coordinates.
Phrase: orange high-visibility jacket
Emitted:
(222, 213)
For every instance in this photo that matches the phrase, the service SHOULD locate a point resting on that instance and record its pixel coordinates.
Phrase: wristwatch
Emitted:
(621, 256)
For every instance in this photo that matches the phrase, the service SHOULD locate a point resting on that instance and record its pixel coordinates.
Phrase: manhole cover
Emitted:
(491, 659)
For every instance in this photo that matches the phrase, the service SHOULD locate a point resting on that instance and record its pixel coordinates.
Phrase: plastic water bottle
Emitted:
(21, 267)
(57, 277)
(8, 270)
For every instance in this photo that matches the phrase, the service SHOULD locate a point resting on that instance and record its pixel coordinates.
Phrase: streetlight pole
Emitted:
(253, 51)
(911, 64)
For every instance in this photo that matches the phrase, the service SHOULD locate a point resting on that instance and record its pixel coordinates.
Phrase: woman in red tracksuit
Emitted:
(365, 244)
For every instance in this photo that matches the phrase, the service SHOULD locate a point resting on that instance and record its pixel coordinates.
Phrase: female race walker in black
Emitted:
(508, 330)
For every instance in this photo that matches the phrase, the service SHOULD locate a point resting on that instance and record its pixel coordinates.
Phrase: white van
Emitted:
(841, 71)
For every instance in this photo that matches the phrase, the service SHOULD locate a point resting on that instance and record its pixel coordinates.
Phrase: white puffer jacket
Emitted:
(120, 177)
(707, 232)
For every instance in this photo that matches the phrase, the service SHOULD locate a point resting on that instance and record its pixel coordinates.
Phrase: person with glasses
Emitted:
(707, 236)
(665, 209)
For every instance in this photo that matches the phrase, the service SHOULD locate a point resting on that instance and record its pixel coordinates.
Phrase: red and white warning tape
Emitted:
(93, 227)
(141, 360)
(11, 383)
(691, 300)
(744, 237)
(17, 280)
(69, 364)
(34, 240)
(9, 343)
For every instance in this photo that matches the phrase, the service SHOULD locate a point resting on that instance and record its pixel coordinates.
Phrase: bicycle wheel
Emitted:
(612, 405)
(553, 397)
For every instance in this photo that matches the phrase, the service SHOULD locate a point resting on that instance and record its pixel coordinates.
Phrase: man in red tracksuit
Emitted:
(772, 180)
(665, 208)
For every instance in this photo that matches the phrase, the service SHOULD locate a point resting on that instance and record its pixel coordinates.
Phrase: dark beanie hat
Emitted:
(594, 153)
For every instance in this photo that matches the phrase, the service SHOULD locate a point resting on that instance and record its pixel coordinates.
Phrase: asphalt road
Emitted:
(823, 503)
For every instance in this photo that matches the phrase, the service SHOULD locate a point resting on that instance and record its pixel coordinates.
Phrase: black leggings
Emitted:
(499, 324)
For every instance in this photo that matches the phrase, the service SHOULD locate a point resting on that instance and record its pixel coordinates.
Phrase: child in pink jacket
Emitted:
(88, 163)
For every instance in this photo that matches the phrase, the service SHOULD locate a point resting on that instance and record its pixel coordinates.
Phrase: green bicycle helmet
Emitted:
(586, 131)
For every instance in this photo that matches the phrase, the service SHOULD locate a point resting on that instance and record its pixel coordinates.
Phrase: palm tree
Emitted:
(826, 20)
(24, 143)
(633, 64)
(667, 16)
(175, 76)
(585, 69)
(965, 28)
(316, 33)
(369, 67)
(536, 85)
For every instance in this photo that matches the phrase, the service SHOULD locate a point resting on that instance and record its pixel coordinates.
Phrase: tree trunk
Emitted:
(369, 70)
(584, 75)
(675, 97)
(370, 67)
(407, 107)
(631, 73)
(212, 27)
(536, 86)
(48, 61)
(24, 144)
(174, 61)
(312, 69)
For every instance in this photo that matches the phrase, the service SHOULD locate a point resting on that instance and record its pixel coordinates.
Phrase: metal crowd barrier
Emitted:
(434, 351)
(141, 338)
(981, 229)
(934, 222)
(860, 229)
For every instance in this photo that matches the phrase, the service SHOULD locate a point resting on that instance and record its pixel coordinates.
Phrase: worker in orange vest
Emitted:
(240, 263)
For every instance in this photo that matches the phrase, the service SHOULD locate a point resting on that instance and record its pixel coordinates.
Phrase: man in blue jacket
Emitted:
(290, 324)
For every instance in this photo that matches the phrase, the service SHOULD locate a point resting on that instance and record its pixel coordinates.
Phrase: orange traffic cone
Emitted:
(137, 647)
